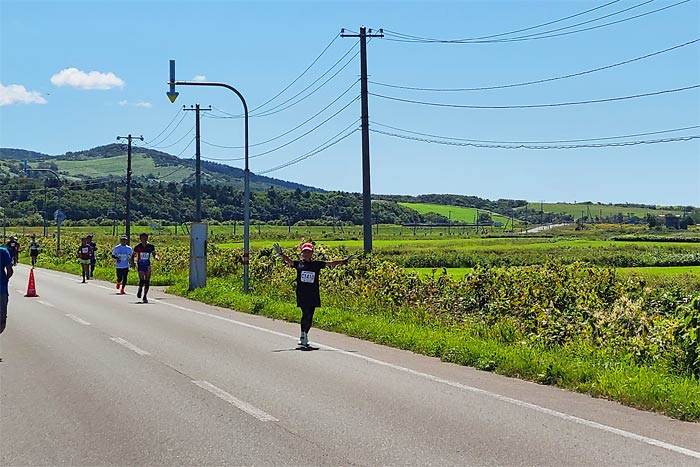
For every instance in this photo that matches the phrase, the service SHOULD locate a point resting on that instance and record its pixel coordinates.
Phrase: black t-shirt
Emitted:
(308, 293)
(34, 249)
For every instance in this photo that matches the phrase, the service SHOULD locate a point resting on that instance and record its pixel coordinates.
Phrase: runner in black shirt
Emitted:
(144, 253)
(307, 286)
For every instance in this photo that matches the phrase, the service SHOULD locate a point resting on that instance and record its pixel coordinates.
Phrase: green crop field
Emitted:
(116, 166)
(456, 213)
(597, 210)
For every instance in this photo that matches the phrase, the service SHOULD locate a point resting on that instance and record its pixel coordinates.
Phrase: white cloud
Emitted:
(199, 78)
(146, 105)
(18, 94)
(93, 80)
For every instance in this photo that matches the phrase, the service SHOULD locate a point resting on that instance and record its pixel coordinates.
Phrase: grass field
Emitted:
(651, 272)
(596, 210)
(116, 166)
(456, 213)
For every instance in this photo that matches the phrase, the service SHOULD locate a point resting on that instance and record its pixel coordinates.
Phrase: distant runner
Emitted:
(13, 249)
(93, 259)
(122, 253)
(144, 252)
(84, 253)
(5, 274)
(34, 250)
(307, 285)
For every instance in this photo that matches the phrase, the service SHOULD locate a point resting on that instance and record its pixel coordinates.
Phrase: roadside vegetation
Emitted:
(562, 309)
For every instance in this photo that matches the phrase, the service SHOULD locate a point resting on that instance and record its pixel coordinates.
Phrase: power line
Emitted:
(407, 36)
(189, 132)
(280, 107)
(152, 144)
(539, 81)
(544, 36)
(539, 147)
(288, 131)
(298, 77)
(166, 127)
(634, 135)
(532, 106)
(331, 142)
(289, 142)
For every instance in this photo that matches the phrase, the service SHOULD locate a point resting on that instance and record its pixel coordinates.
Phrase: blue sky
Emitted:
(75, 75)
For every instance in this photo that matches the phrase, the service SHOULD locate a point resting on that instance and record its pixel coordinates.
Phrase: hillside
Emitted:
(109, 162)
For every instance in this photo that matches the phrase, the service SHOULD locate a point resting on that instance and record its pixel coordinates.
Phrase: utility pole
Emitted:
(364, 94)
(197, 170)
(129, 138)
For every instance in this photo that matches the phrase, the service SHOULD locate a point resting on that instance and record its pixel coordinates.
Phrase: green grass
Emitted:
(596, 210)
(456, 213)
(116, 166)
(649, 272)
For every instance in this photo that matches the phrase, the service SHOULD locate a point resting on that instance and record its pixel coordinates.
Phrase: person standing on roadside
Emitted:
(84, 253)
(13, 249)
(33, 250)
(144, 252)
(6, 272)
(307, 285)
(93, 259)
(122, 254)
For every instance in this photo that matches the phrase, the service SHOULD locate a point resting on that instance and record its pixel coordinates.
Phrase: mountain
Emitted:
(110, 161)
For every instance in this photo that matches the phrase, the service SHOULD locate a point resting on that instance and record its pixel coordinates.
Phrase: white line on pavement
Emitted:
(46, 303)
(78, 320)
(493, 395)
(244, 406)
(129, 345)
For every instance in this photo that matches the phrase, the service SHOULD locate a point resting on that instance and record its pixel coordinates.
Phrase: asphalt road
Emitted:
(89, 377)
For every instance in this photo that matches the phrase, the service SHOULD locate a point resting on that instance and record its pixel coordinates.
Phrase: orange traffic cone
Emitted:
(31, 287)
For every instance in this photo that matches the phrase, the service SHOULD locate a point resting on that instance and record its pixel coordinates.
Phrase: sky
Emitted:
(77, 74)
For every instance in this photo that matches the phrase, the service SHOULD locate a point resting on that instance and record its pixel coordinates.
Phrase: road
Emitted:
(89, 377)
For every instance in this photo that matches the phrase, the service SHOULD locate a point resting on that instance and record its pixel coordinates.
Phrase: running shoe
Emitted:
(118, 285)
(138, 294)
(122, 291)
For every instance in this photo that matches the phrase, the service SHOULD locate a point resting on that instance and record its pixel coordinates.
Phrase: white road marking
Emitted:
(46, 303)
(129, 346)
(78, 320)
(464, 387)
(242, 405)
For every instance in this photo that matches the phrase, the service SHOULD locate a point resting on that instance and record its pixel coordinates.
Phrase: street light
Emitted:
(172, 95)
(59, 216)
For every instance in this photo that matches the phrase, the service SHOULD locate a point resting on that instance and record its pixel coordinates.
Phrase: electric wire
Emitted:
(538, 147)
(407, 36)
(166, 127)
(293, 129)
(298, 77)
(532, 106)
(329, 143)
(606, 138)
(276, 109)
(152, 144)
(288, 142)
(545, 34)
(539, 81)
(188, 133)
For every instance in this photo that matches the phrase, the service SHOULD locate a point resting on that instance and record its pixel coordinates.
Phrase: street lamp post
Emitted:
(58, 213)
(172, 95)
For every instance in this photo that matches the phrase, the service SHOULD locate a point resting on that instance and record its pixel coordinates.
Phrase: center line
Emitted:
(46, 303)
(78, 320)
(244, 406)
(129, 346)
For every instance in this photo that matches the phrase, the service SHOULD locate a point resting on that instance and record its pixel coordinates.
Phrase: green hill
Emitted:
(455, 213)
(603, 211)
(109, 162)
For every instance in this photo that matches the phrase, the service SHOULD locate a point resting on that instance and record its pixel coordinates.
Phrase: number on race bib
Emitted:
(308, 277)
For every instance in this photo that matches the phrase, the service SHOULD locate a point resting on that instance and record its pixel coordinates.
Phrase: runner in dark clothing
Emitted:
(13, 247)
(144, 252)
(84, 253)
(93, 258)
(34, 250)
(307, 285)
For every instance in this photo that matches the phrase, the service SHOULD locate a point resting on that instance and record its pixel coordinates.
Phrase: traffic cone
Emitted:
(31, 287)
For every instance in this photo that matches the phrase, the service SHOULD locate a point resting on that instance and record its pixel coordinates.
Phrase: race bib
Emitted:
(308, 277)
(123, 257)
(144, 256)
(85, 250)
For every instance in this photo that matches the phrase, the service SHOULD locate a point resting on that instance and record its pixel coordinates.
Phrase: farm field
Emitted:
(649, 272)
(456, 213)
(596, 210)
